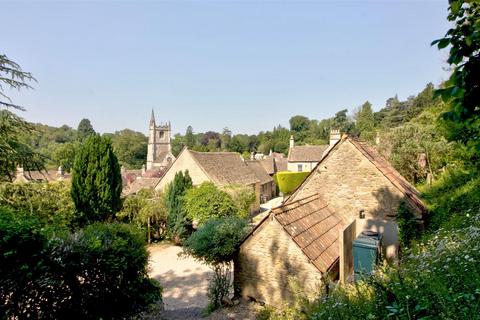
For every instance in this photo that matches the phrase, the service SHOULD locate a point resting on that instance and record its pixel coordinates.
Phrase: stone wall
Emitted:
(184, 162)
(349, 182)
(265, 262)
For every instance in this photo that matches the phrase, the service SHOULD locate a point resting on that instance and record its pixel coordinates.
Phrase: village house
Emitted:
(301, 237)
(267, 184)
(298, 240)
(22, 175)
(274, 162)
(224, 169)
(305, 158)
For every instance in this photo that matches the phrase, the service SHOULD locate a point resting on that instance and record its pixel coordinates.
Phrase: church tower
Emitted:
(159, 153)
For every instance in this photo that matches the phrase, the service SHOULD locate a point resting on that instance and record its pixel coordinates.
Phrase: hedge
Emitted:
(288, 182)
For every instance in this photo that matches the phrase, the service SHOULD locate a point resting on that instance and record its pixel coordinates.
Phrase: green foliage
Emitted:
(146, 209)
(217, 240)
(190, 141)
(215, 244)
(130, 148)
(243, 197)
(49, 202)
(288, 182)
(407, 225)
(96, 181)
(178, 224)
(85, 129)
(99, 272)
(365, 122)
(64, 155)
(206, 202)
(13, 77)
(462, 89)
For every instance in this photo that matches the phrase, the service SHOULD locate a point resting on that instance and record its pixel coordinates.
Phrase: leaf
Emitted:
(443, 43)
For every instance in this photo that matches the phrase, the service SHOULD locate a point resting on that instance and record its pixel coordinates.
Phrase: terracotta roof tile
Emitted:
(313, 227)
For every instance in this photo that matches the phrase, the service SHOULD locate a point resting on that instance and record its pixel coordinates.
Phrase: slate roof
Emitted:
(411, 194)
(225, 168)
(314, 228)
(306, 153)
(259, 171)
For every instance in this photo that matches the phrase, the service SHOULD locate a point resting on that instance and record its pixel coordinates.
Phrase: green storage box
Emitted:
(366, 253)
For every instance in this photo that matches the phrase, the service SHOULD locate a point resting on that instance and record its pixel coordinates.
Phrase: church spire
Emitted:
(152, 119)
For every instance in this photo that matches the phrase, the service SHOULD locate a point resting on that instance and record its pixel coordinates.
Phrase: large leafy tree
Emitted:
(130, 148)
(13, 151)
(85, 129)
(177, 222)
(96, 181)
(462, 89)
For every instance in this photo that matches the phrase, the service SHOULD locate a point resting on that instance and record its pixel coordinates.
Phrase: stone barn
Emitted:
(360, 184)
(298, 240)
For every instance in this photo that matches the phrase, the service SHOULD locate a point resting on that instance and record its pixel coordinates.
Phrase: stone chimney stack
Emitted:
(143, 169)
(292, 141)
(334, 136)
(60, 171)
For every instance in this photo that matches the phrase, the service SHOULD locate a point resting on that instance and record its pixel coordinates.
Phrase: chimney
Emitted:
(122, 169)
(334, 136)
(60, 171)
(252, 155)
(19, 173)
(292, 141)
(143, 169)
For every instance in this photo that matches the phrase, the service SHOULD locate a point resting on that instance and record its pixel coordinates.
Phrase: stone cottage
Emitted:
(299, 240)
(221, 168)
(359, 184)
(267, 184)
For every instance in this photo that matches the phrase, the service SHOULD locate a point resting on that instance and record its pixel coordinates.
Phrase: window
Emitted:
(299, 168)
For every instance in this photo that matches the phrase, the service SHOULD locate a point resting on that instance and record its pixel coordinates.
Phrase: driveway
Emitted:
(184, 282)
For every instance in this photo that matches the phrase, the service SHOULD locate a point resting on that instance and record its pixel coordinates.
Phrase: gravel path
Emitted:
(184, 283)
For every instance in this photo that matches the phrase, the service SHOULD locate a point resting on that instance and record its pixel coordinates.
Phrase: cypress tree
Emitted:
(177, 222)
(96, 181)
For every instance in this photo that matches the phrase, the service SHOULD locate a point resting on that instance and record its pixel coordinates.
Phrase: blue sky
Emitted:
(248, 65)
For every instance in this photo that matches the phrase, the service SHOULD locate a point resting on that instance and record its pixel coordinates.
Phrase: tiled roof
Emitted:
(411, 194)
(281, 164)
(306, 153)
(225, 168)
(47, 175)
(139, 184)
(314, 228)
(268, 165)
(259, 171)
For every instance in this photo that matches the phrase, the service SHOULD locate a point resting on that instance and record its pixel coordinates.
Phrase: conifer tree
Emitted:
(366, 122)
(85, 129)
(177, 222)
(96, 181)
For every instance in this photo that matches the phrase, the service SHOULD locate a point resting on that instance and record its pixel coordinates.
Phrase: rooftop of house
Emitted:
(314, 228)
(139, 184)
(306, 153)
(42, 175)
(225, 168)
(259, 170)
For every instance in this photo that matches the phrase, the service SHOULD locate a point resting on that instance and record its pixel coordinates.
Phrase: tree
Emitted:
(190, 138)
(130, 147)
(64, 155)
(462, 89)
(366, 122)
(299, 123)
(147, 209)
(207, 201)
(225, 138)
(177, 222)
(84, 129)
(13, 151)
(215, 244)
(96, 181)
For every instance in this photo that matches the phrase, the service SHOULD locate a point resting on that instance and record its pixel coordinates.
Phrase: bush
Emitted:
(288, 182)
(215, 244)
(99, 272)
(207, 201)
(51, 202)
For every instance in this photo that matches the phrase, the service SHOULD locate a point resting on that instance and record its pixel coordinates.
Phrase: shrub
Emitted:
(178, 224)
(215, 244)
(207, 201)
(99, 272)
(146, 209)
(51, 202)
(243, 197)
(288, 182)
(96, 181)
(407, 225)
